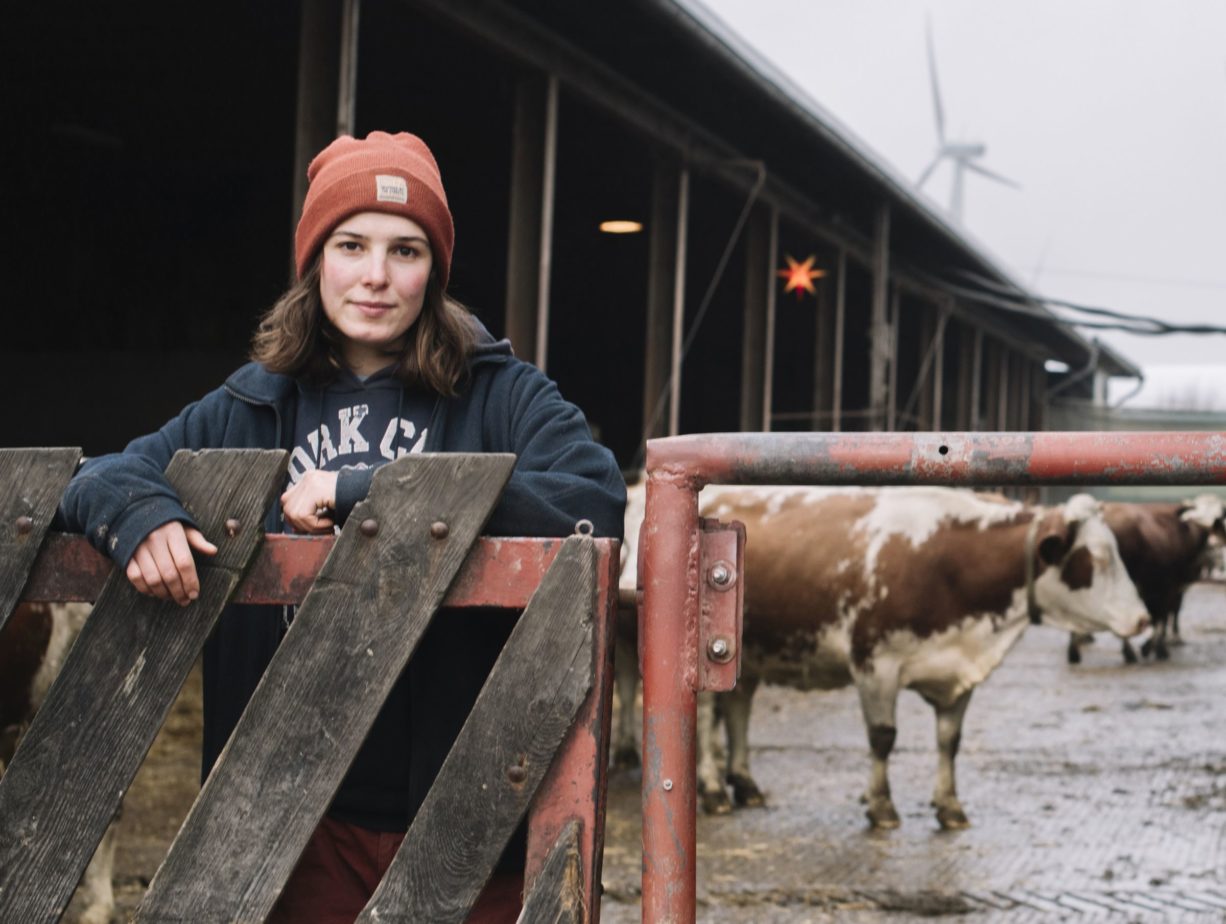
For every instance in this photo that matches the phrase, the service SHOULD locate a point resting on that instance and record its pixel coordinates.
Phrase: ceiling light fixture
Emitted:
(621, 226)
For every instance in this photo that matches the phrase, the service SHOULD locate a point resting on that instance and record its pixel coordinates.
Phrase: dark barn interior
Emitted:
(150, 153)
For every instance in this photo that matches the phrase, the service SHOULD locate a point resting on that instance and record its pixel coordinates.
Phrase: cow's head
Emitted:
(1081, 583)
(1207, 512)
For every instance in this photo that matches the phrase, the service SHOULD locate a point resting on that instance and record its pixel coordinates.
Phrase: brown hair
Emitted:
(296, 338)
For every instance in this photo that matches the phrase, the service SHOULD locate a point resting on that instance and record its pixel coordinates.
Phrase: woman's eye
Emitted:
(406, 251)
(349, 246)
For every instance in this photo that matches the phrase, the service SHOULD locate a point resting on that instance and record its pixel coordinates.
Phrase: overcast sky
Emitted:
(1111, 114)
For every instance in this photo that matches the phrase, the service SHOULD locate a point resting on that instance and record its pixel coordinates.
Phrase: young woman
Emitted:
(364, 360)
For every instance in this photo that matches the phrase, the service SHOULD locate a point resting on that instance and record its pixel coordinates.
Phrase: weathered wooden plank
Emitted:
(557, 895)
(504, 750)
(350, 640)
(576, 786)
(119, 682)
(32, 481)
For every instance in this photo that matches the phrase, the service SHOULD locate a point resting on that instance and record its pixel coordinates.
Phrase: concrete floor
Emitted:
(1095, 792)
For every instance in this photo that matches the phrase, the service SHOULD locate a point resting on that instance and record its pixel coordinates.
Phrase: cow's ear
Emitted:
(1055, 538)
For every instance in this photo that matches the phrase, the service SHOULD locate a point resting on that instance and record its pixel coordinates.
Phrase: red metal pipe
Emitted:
(668, 638)
(1068, 458)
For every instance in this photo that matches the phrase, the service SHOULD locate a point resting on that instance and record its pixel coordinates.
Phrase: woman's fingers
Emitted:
(307, 506)
(196, 540)
(163, 567)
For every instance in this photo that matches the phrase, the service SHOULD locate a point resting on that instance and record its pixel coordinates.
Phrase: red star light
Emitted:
(800, 277)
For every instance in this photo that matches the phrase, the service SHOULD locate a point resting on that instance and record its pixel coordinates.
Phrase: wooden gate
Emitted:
(536, 741)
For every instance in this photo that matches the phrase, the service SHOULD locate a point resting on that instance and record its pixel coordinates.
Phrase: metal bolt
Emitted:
(369, 527)
(584, 528)
(719, 649)
(722, 575)
(517, 773)
(439, 529)
(668, 785)
(24, 525)
(232, 527)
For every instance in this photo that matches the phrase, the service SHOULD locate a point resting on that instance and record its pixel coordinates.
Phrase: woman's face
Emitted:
(373, 283)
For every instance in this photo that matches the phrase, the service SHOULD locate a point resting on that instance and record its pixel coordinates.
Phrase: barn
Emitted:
(156, 155)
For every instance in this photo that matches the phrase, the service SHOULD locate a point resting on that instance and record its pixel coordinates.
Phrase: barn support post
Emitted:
(327, 72)
(1004, 405)
(823, 355)
(840, 320)
(662, 268)
(758, 285)
(768, 345)
(530, 236)
(678, 337)
(976, 366)
(879, 334)
(891, 390)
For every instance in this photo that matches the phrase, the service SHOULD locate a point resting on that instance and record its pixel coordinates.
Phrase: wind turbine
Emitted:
(961, 153)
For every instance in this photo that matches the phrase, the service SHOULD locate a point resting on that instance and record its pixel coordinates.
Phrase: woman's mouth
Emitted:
(373, 308)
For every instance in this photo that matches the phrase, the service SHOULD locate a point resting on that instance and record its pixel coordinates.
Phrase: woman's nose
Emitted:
(376, 271)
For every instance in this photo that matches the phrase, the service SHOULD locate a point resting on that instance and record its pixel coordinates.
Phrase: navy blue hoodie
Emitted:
(506, 405)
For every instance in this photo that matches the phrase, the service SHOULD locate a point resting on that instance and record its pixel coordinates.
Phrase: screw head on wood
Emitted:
(369, 527)
(24, 525)
(439, 529)
(517, 773)
(232, 527)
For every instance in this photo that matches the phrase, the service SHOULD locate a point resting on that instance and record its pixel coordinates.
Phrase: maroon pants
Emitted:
(342, 866)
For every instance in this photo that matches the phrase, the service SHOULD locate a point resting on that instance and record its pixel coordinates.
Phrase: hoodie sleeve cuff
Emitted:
(126, 535)
(352, 486)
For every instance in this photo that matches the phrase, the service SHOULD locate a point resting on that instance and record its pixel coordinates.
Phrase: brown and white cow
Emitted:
(1165, 548)
(908, 588)
(33, 645)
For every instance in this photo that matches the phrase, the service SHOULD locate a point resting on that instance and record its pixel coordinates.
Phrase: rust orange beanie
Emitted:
(378, 173)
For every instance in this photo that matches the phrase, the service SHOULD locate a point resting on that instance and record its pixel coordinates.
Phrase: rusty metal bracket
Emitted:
(721, 600)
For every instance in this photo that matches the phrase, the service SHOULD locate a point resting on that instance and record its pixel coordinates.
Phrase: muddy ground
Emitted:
(1095, 792)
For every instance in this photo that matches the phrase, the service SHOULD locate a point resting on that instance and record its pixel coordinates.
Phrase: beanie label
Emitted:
(391, 189)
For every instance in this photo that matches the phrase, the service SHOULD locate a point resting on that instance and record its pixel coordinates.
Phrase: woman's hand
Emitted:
(308, 506)
(162, 565)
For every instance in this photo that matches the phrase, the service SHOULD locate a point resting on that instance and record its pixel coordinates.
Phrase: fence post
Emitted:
(668, 634)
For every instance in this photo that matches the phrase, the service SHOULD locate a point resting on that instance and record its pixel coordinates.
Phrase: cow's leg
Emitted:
(1126, 649)
(1156, 643)
(1176, 639)
(711, 790)
(95, 895)
(949, 737)
(1074, 648)
(736, 705)
(878, 699)
(626, 681)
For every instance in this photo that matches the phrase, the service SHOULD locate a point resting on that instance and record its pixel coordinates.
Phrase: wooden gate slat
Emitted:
(118, 683)
(349, 642)
(557, 894)
(32, 481)
(484, 788)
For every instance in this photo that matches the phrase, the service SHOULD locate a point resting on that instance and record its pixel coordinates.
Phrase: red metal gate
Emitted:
(685, 634)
